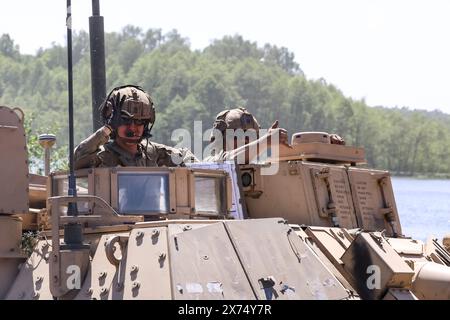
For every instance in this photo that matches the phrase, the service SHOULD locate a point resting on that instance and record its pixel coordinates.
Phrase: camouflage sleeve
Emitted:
(171, 157)
(85, 154)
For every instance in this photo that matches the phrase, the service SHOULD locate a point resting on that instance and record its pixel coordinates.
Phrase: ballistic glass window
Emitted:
(210, 195)
(140, 193)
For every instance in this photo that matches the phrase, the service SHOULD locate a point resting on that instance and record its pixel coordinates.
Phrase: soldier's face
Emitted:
(130, 133)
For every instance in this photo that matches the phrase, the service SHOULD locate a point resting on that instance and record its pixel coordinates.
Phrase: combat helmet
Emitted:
(238, 118)
(125, 103)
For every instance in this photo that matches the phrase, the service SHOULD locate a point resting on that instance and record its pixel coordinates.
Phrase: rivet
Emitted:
(205, 257)
(139, 234)
(162, 256)
(186, 228)
(36, 295)
(136, 285)
(134, 268)
(38, 279)
(103, 291)
(155, 233)
(89, 291)
(102, 274)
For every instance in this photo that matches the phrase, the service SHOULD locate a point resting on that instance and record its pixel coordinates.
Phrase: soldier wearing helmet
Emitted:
(230, 122)
(128, 114)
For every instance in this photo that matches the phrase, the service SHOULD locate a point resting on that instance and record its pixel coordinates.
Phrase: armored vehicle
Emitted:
(308, 223)
(319, 227)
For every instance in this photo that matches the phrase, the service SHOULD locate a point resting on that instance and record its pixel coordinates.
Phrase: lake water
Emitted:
(423, 206)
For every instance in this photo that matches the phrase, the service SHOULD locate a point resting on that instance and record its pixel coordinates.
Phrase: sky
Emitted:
(392, 53)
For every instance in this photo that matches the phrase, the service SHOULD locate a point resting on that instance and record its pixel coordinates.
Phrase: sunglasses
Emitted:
(129, 121)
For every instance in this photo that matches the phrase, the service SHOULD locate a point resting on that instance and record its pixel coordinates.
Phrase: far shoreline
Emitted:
(422, 176)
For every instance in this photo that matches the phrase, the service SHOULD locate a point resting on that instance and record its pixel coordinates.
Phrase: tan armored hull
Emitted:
(319, 228)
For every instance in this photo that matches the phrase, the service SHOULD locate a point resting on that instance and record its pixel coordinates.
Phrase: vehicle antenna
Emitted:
(73, 235)
(72, 210)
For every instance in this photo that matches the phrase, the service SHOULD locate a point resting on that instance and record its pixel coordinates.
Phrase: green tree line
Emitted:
(189, 85)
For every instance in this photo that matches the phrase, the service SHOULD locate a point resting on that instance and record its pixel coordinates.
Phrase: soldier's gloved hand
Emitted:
(115, 119)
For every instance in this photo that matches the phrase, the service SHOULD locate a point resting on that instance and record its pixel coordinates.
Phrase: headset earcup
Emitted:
(220, 125)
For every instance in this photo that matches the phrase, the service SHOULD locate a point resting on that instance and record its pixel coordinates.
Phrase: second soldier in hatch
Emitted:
(128, 114)
(236, 135)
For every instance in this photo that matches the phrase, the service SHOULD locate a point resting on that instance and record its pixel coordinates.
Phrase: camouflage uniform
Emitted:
(97, 151)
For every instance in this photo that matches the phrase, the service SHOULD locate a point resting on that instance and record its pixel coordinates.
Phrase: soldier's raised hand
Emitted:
(113, 112)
